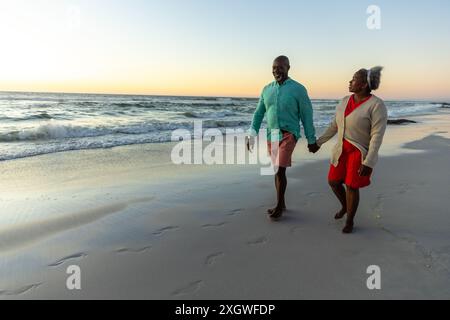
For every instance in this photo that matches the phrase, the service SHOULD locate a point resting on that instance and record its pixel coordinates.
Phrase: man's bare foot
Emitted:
(348, 228)
(340, 214)
(271, 211)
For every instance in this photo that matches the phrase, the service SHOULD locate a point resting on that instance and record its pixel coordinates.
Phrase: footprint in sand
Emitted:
(295, 229)
(131, 250)
(234, 212)
(406, 187)
(161, 231)
(19, 291)
(189, 289)
(76, 256)
(257, 242)
(212, 259)
(216, 225)
(403, 188)
(379, 204)
(313, 194)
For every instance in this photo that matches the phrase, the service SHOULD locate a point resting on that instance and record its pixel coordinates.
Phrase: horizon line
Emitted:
(436, 100)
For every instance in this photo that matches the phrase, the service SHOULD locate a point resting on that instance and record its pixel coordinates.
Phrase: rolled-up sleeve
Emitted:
(258, 117)
(307, 118)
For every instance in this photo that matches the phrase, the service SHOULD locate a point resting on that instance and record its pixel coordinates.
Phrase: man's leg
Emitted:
(339, 191)
(280, 186)
(352, 207)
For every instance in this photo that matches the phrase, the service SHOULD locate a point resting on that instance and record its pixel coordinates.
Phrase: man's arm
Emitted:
(306, 116)
(258, 117)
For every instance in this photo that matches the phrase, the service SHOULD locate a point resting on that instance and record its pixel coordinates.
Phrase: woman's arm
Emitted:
(329, 133)
(379, 118)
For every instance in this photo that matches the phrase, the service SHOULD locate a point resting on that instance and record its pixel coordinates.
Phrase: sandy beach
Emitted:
(140, 227)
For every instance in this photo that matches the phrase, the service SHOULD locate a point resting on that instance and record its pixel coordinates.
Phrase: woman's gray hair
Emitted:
(374, 77)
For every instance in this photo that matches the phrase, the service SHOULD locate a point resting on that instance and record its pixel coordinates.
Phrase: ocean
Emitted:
(41, 123)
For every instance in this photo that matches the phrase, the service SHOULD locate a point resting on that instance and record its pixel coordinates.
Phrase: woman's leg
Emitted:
(352, 207)
(339, 191)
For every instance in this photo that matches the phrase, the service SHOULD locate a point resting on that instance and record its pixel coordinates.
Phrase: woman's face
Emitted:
(358, 83)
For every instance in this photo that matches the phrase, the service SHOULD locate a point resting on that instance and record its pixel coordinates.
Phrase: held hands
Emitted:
(250, 143)
(313, 148)
(365, 171)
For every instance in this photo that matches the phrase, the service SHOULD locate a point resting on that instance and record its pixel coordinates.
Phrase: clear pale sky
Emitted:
(222, 47)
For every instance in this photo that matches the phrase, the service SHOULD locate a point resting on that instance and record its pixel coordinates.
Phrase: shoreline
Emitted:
(416, 118)
(421, 120)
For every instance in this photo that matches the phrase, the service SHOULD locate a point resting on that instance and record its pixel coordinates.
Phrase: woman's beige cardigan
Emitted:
(364, 128)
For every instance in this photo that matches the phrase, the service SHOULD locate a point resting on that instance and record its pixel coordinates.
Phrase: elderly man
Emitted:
(285, 103)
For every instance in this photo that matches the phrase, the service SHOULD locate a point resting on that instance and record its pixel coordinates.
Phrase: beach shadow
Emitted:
(291, 218)
(428, 143)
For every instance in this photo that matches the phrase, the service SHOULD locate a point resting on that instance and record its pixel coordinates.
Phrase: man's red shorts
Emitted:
(348, 167)
(283, 157)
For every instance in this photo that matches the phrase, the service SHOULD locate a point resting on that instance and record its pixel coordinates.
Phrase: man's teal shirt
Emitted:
(284, 107)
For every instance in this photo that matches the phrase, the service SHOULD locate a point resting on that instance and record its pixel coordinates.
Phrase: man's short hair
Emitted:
(283, 59)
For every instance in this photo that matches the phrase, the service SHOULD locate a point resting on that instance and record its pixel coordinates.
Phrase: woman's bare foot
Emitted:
(348, 227)
(340, 214)
(276, 213)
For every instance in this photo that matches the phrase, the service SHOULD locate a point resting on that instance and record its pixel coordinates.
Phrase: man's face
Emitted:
(280, 70)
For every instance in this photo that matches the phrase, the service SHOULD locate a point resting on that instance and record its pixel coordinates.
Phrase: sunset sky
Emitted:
(221, 47)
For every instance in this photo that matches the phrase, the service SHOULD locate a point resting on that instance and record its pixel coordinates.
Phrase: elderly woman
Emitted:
(360, 124)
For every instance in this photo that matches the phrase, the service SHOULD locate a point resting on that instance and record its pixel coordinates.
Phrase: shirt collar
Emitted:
(284, 83)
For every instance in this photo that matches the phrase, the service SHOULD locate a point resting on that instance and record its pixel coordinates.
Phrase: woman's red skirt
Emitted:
(348, 167)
